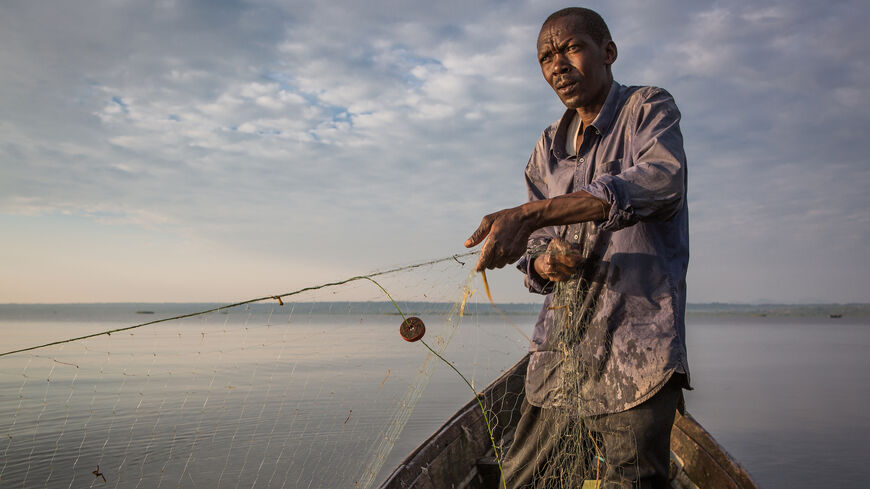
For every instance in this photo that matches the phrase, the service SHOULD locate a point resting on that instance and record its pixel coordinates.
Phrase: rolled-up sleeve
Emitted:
(654, 186)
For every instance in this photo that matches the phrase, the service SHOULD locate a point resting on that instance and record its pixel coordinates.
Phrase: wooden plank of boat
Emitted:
(450, 457)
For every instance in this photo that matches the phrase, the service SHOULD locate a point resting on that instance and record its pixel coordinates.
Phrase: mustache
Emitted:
(565, 80)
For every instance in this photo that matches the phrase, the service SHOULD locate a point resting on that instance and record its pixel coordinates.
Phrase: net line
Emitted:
(242, 401)
(238, 400)
(278, 297)
(408, 403)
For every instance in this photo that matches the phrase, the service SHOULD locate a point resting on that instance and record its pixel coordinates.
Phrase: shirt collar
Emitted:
(602, 121)
(611, 105)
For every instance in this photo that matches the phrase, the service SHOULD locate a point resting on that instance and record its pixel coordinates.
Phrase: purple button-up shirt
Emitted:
(610, 337)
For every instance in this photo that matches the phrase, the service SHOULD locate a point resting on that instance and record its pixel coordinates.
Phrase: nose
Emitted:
(560, 64)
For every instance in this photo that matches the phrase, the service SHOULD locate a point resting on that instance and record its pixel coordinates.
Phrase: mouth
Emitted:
(565, 86)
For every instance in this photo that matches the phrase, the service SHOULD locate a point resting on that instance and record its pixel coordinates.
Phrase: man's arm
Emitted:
(654, 188)
(508, 230)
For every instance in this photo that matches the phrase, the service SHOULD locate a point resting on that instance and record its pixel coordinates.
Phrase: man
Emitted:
(605, 236)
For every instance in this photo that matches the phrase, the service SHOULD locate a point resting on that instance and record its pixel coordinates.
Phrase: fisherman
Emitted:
(606, 228)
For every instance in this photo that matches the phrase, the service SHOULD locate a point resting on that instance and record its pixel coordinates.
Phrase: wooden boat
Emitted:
(459, 454)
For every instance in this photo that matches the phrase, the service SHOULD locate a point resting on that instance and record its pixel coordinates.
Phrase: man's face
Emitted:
(574, 64)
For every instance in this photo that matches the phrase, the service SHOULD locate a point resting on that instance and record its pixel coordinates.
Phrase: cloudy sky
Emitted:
(220, 150)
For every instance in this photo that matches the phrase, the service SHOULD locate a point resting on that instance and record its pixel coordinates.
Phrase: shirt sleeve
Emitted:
(654, 188)
(536, 187)
(534, 282)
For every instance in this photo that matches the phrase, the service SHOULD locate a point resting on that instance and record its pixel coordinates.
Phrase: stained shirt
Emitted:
(610, 337)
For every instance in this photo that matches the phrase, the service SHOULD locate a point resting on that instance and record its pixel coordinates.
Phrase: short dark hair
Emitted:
(592, 23)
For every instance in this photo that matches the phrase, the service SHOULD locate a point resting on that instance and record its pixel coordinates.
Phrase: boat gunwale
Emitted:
(708, 460)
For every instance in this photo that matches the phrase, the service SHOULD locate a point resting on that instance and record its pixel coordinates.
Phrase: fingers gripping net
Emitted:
(290, 394)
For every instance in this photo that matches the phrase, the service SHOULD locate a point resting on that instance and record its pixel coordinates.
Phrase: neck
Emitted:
(589, 112)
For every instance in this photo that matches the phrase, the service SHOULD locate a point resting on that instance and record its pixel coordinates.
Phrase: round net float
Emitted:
(412, 329)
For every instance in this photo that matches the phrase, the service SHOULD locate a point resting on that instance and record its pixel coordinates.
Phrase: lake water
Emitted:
(787, 396)
(270, 398)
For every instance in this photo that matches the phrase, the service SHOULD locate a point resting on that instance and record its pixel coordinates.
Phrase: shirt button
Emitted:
(582, 160)
(576, 236)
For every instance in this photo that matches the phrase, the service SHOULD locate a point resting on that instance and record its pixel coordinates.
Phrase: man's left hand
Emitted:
(506, 233)
(559, 263)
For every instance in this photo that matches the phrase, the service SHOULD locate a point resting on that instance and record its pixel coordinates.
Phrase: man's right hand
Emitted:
(559, 262)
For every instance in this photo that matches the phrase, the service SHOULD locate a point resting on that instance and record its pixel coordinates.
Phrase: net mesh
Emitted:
(310, 389)
(560, 444)
(568, 452)
(309, 392)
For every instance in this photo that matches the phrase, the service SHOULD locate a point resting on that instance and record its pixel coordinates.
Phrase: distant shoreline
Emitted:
(831, 310)
(803, 310)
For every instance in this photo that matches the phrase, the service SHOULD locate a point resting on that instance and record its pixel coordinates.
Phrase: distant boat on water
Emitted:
(144, 312)
(835, 316)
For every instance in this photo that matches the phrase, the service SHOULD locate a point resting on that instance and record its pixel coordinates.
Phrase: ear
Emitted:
(610, 53)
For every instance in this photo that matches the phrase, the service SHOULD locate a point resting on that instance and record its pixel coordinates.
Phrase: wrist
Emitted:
(531, 213)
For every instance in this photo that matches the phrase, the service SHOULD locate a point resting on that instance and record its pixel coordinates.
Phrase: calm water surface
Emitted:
(253, 400)
(787, 396)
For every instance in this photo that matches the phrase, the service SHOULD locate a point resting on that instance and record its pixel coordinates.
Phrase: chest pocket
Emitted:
(611, 167)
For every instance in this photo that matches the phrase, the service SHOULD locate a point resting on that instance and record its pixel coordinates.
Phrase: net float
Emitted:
(412, 329)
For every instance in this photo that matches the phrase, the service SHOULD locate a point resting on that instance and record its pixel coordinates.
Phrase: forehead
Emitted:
(561, 29)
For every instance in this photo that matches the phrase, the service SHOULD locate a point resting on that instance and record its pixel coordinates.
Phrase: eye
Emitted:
(573, 48)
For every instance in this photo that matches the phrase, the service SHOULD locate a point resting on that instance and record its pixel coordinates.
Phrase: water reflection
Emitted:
(298, 401)
(221, 401)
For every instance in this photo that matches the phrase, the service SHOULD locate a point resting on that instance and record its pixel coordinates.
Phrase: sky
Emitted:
(211, 150)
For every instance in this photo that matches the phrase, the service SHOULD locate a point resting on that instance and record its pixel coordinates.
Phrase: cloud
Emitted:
(356, 135)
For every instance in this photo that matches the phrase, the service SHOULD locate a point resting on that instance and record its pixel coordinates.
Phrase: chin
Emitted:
(572, 103)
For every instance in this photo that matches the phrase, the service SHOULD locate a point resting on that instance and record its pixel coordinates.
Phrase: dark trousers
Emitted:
(626, 450)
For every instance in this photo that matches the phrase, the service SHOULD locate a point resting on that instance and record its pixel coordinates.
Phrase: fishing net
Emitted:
(571, 437)
(560, 450)
(309, 389)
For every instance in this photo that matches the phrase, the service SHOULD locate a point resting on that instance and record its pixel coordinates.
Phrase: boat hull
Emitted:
(455, 455)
